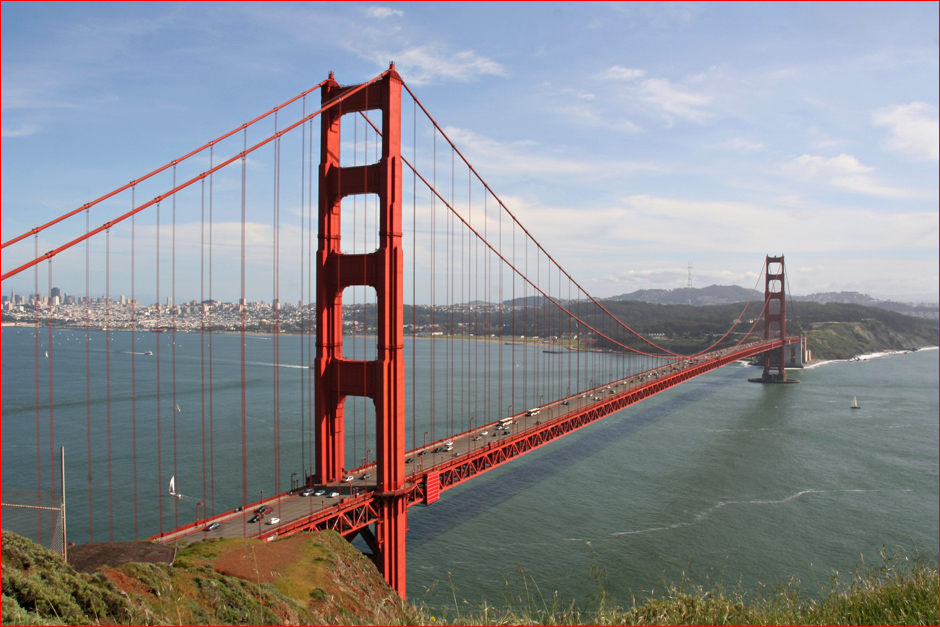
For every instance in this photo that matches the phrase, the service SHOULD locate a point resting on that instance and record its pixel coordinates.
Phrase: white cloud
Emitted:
(845, 172)
(744, 145)
(835, 166)
(23, 131)
(915, 130)
(383, 12)
(531, 158)
(618, 73)
(423, 65)
(674, 100)
(589, 116)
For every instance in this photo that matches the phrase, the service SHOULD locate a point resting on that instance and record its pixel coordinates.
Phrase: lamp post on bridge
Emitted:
(197, 513)
(472, 439)
(424, 448)
(292, 475)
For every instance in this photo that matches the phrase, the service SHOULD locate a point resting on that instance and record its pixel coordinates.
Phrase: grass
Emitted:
(901, 591)
(39, 589)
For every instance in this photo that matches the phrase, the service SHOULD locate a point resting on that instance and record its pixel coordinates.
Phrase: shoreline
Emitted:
(867, 357)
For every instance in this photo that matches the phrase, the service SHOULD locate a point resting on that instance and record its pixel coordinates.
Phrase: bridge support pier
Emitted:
(775, 322)
(382, 379)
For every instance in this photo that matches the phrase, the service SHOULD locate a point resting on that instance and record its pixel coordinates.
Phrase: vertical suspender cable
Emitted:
(134, 355)
(107, 370)
(51, 361)
(241, 307)
(432, 344)
(159, 404)
(414, 276)
(210, 309)
(175, 401)
(275, 306)
(310, 306)
(35, 302)
(91, 515)
(202, 336)
(303, 329)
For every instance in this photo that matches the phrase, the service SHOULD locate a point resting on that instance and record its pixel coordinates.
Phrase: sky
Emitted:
(632, 139)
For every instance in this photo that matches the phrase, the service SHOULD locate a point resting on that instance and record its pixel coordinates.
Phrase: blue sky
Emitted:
(630, 138)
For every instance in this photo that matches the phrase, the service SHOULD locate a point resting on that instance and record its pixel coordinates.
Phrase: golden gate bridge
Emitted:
(393, 240)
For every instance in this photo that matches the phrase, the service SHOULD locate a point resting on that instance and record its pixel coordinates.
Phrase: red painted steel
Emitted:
(775, 320)
(432, 487)
(382, 380)
(350, 516)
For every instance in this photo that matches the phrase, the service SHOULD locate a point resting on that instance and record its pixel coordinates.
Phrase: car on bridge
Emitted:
(213, 526)
(264, 509)
(307, 492)
(274, 521)
(256, 518)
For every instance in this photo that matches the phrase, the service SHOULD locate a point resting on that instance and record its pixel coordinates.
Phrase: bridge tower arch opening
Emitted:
(383, 378)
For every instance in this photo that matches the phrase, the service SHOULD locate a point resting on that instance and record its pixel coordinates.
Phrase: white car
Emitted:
(274, 521)
(333, 495)
(349, 478)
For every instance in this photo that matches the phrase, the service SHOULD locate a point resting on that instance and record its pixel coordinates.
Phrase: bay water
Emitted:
(717, 479)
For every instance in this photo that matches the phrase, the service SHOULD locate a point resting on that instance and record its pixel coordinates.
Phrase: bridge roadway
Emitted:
(349, 507)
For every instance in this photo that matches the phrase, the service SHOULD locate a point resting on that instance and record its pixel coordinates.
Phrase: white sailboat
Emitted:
(173, 492)
(178, 408)
(855, 404)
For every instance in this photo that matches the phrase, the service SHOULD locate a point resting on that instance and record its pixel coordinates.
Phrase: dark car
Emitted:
(213, 526)
(256, 518)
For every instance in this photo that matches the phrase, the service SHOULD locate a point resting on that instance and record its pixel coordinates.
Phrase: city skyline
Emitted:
(632, 139)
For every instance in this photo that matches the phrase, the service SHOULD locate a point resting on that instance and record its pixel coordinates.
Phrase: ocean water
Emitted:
(718, 479)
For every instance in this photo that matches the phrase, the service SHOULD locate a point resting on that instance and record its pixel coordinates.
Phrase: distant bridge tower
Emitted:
(383, 379)
(775, 321)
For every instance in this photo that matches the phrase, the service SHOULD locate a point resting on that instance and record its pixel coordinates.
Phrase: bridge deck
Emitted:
(350, 507)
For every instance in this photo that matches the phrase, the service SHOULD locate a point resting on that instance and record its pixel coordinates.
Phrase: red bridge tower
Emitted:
(383, 379)
(775, 321)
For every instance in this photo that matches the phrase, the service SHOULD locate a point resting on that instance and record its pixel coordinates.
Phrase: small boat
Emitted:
(178, 408)
(855, 404)
(149, 353)
(173, 492)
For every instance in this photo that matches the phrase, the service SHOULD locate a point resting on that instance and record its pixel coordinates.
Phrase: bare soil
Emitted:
(262, 563)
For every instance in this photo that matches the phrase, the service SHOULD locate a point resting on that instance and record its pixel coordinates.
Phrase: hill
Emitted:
(318, 579)
(711, 295)
(306, 579)
(727, 294)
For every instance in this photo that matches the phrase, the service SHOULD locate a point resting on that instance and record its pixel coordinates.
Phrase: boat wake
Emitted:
(705, 514)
